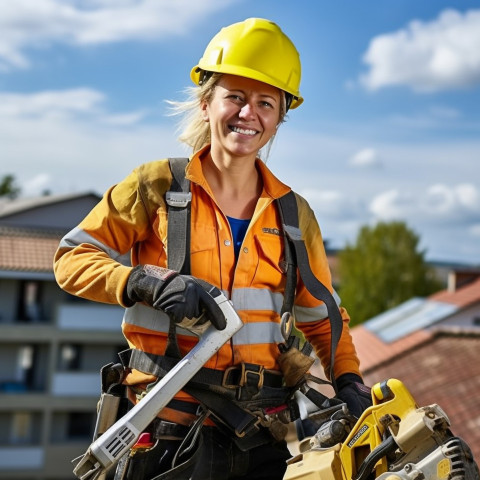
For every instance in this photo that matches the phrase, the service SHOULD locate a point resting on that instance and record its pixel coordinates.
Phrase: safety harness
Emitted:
(179, 198)
(242, 397)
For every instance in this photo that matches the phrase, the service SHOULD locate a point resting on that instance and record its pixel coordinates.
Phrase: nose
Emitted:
(247, 112)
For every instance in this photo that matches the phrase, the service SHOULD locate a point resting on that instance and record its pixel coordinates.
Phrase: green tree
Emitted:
(383, 269)
(8, 187)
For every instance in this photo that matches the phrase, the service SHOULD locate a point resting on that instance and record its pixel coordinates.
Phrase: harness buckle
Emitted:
(250, 374)
(247, 375)
(178, 199)
(230, 378)
(248, 429)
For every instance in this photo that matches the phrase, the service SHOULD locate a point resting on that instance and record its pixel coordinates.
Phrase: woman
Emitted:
(247, 79)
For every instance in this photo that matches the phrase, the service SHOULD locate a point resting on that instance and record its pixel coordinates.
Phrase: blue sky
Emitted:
(389, 129)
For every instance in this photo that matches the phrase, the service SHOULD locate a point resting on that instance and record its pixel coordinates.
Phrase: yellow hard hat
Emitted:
(255, 48)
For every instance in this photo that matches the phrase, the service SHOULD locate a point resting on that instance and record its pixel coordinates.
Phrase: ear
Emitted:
(204, 111)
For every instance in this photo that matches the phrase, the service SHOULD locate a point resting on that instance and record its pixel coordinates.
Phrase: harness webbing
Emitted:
(296, 254)
(316, 288)
(178, 199)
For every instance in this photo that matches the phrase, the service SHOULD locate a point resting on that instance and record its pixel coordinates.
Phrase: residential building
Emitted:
(52, 344)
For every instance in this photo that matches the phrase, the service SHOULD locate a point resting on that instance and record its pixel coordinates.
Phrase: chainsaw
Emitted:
(394, 439)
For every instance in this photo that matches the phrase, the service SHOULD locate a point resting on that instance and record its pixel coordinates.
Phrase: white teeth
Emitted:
(244, 131)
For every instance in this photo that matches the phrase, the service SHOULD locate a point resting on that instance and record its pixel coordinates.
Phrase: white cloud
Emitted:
(38, 104)
(68, 140)
(333, 204)
(438, 203)
(61, 104)
(37, 185)
(459, 201)
(126, 118)
(368, 157)
(475, 230)
(427, 56)
(27, 24)
(391, 205)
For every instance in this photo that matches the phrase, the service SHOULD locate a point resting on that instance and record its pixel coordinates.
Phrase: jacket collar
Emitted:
(272, 186)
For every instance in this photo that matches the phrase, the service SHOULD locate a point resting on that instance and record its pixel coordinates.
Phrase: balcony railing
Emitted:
(89, 317)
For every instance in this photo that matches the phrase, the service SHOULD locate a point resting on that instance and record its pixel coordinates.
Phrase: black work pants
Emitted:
(213, 457)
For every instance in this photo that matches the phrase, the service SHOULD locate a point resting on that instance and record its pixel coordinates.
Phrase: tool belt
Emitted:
(243, 399)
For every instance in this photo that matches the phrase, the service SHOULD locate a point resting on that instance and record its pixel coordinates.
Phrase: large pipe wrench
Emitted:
(107, 450)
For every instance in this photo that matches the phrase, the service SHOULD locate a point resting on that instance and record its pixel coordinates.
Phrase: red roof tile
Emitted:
(445, 371)
(373, 352)
(27, 250)
(461, 297)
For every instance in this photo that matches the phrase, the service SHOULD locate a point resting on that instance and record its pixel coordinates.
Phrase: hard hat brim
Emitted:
(196, 72)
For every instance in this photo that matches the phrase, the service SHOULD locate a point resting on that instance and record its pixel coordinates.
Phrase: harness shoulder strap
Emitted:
(289, 213)
(179, 199)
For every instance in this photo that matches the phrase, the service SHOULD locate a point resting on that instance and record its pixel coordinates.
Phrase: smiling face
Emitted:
(243, 115)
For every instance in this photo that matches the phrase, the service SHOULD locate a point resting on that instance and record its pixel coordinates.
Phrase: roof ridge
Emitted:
(33, 232)
(11, 207)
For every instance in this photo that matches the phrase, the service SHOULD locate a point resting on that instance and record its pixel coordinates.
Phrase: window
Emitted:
(25, 365)
(70, 357)
(21, 428)
(80, 425)
(30, 301)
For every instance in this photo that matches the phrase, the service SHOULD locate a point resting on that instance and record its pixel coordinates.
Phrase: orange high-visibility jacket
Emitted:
(132, 217)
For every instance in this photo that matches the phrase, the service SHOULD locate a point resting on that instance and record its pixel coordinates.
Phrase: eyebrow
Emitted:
(263, 95)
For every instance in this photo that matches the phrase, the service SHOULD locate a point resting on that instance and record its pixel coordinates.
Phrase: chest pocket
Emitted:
(202, 244)
(269, 270)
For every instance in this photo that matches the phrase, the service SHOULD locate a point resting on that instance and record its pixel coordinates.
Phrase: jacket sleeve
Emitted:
(311, 315)
(89, 260)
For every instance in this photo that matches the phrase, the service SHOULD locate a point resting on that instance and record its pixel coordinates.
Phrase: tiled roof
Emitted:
(438, 365)
(371, 346)
(442, 370)
(373, 352)
(24, 249)
(462, 297)
(12, 206)
(417, 313)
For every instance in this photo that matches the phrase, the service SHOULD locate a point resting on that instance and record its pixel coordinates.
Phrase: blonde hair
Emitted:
(194, 130)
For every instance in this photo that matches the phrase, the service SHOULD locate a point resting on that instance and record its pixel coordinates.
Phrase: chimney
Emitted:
(460, 278)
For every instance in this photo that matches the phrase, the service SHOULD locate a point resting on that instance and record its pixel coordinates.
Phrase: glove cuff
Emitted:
(162, 273)
(145, 281)
(355, 381)
(348, 378)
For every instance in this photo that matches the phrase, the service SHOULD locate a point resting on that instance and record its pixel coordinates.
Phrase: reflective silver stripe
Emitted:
(256, 299)
(147, 317)
(158, 321)
(307, 314)
(313, 314)
(258, 332)
(336, 297)
(77, 236)
(244, 299)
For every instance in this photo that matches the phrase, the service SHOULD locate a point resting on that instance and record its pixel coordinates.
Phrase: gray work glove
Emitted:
(179, 296)
(354, 393)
